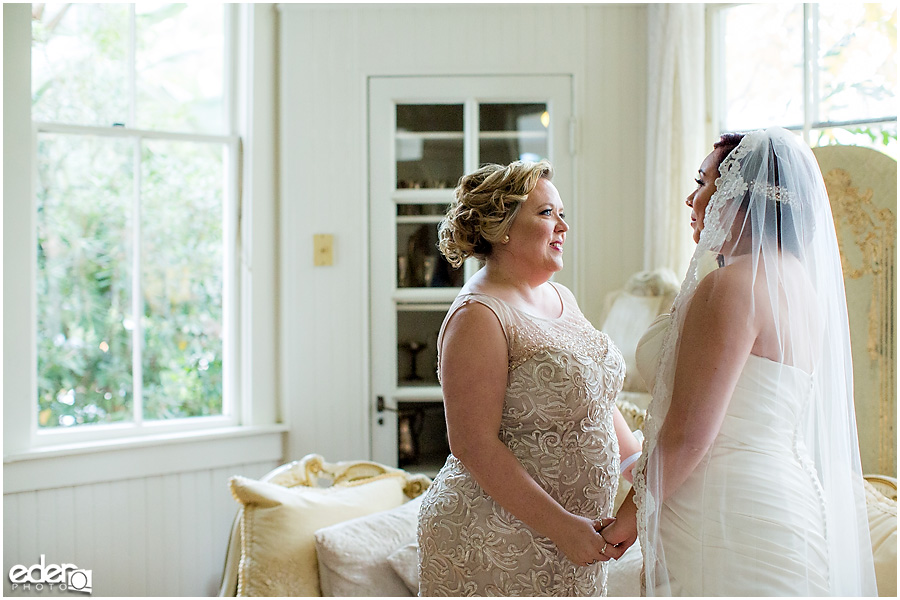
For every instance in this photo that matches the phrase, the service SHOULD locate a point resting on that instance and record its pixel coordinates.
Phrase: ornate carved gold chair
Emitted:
(862, 188)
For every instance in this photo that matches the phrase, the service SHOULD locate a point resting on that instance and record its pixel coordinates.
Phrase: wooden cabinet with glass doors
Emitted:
(419, 148)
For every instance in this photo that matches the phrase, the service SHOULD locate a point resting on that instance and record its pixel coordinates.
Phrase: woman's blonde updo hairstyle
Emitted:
(484, 206)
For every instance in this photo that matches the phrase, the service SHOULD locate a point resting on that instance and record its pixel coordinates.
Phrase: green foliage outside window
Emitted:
(106, 203)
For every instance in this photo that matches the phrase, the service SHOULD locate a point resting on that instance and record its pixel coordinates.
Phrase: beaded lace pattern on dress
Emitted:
(558, 421)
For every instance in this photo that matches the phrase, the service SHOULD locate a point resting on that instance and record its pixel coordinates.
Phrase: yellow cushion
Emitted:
(882, 513)
(278, 548)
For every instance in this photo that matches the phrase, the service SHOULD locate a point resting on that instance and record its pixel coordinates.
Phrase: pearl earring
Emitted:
(505, 239)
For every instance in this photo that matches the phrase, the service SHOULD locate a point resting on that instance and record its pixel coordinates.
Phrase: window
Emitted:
(135, 196)
(828, 70)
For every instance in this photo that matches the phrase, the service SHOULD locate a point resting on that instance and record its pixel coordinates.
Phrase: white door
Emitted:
(424, 134)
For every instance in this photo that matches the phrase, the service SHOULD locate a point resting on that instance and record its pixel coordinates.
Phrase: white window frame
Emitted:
(251, 402)
(715, 16)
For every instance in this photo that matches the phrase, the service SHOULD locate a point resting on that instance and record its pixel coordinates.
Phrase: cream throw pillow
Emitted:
(353, 555)
(405, 562)
(882, 513)
(278, 548)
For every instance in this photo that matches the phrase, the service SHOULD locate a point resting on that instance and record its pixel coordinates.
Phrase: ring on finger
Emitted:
(603, 550)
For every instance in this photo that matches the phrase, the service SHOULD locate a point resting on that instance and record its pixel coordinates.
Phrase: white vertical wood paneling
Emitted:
(155, 536)
(189, 521)
(137, 532)
(86, 552)
(11, 531)
(104, 560)
(64, 507)
(171, 534)
(156, 544)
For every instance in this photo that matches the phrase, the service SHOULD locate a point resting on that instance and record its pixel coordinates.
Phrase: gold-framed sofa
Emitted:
(314, 528)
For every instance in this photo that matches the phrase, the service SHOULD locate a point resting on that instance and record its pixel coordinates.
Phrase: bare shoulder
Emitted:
(473, 322)
(729, 288)
(474, 351)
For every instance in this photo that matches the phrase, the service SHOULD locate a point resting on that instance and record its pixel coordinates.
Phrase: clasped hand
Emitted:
(617, 535)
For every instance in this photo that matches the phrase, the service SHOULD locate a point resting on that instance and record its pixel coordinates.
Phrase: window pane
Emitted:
(857, 61)
(79, 63)
(881, 137)
(180, 67)
(182, 280)
(763, 66)
(84, 227)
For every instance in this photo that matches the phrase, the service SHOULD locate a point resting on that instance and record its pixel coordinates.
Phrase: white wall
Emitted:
(327, 52)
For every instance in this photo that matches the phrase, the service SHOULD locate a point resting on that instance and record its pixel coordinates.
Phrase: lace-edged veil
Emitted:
(770, 205)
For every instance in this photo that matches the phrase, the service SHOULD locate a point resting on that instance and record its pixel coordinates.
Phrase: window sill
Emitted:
(164, 454)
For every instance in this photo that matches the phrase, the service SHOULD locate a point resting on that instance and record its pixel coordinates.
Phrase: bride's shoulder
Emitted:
(728, 287)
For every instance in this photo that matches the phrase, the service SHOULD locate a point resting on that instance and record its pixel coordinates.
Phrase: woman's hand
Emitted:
(580, 541)
(622, 532)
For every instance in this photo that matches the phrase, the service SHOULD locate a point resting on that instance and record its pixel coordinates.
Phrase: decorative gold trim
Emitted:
(885, 484)
(313, 471)
(875, 233)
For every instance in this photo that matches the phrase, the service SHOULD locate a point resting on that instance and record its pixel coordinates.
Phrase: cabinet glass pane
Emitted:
(421, 435)
(421, 210)
(429, 145)
(430, 117)
(511, 132)
(417, 332)
(428, 163)
(419, 262)
(513, 117)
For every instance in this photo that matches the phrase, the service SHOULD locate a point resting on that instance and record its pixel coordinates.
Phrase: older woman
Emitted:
(529, 388)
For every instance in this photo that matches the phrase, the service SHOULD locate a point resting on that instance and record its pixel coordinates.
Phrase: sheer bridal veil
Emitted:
(770, 205)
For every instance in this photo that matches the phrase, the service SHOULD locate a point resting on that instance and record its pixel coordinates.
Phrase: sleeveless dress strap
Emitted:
(500, 309)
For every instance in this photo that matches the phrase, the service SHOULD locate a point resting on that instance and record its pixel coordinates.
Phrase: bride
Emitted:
(750, 480)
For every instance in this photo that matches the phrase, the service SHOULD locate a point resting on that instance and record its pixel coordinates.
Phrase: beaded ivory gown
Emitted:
(749, 520)
(558, 421)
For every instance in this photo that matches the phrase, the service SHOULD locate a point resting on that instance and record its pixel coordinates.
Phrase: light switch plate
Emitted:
(323, 249)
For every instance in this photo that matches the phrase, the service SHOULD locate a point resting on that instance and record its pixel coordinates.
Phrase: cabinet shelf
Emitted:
(512, 135)
(430, 393)
(429, 135)
(420, 220)
(423, 195)
(443, 296)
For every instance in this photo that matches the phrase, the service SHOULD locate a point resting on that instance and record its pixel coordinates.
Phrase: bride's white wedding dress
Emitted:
(776, 506)
(750, 519)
